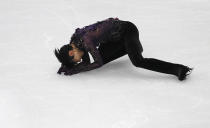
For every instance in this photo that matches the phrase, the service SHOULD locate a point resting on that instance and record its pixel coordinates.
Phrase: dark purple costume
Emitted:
(94, 39)
(108, 40)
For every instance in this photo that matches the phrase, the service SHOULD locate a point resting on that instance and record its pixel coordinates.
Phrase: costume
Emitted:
(108, 40)
(110, 29)
(105, 35)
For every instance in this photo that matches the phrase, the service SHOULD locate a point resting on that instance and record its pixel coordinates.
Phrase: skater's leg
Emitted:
(160, 66)
(134, 50)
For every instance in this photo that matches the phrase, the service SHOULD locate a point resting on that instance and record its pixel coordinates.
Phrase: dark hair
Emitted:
(63, 56)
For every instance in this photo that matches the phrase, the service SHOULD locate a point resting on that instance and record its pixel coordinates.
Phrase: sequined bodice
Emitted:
(98, 32)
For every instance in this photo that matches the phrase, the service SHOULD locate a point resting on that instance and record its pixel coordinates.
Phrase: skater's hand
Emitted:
(65, 70)
(69, 72)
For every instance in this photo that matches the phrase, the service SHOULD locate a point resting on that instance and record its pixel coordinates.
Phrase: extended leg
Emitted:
(134, 50)
(160, 66)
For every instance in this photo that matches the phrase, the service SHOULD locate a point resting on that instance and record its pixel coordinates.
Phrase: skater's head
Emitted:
(69, 55)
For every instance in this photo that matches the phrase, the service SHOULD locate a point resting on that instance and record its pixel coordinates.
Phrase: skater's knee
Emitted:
(137, 61)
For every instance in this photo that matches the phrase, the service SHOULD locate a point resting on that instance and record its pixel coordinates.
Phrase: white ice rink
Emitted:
(118, 95)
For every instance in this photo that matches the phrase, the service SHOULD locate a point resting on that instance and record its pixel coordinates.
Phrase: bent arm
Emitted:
(86, 58)
(84, 66)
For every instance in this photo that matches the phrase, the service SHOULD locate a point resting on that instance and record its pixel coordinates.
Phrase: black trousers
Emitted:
(129, 43)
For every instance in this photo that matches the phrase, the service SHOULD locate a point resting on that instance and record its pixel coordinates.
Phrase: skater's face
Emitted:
(69, 55)
(76, 53)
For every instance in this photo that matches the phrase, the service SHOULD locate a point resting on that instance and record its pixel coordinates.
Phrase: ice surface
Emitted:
(118, 95)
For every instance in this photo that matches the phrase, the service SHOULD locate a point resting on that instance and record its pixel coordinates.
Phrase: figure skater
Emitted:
(106, 41)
